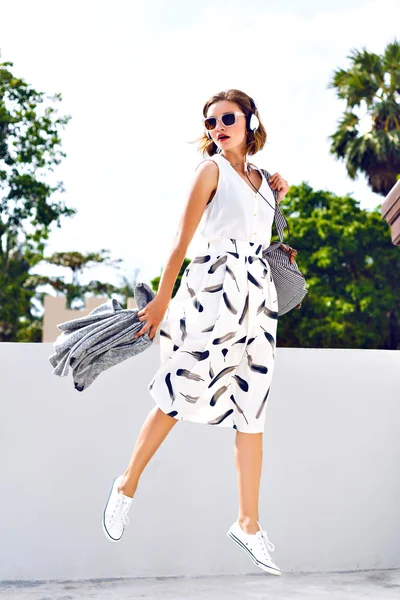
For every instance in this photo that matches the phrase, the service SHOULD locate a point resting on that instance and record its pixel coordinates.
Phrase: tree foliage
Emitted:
(352, 271)
(370, 87)
(74, 291)
(30, 148)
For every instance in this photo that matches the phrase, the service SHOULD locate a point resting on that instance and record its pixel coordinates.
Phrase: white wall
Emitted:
(330, 494)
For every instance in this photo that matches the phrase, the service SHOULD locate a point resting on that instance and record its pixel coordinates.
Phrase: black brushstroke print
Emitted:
(211, 371)
(235, 254)
(173, 413)
(191, 399)
(222, 373)
(253, 280)
(213, 288)
(198, 306)
(228, 303)
(182, 323)
(218, 394)
(169, 386)
(198, 355)
(257, 368)
(241, 341)
(262, 404)
(252, 259)
(271, 313)
(165, 334)
(221, 417)
(242, 383)
(271, 340)
(261, 307)
(217, 264)
(211, 326)
(201, 259)
(245, 309)
(231, 273)
(238, 407)
(186, 373)
(208, 329)
(224, 338)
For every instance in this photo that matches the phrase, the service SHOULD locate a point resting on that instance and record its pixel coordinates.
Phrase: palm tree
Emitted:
(371, 87)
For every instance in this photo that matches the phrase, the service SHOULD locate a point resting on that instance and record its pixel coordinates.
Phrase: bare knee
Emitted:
(163, 416)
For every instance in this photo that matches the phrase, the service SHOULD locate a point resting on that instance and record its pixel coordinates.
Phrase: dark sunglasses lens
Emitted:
(228, 119)
(210, 123)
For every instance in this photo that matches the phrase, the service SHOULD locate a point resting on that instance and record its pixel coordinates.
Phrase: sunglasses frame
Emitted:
(229, 112)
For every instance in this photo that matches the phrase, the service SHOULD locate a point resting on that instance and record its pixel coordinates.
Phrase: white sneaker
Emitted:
(115, 515)
(256, 545)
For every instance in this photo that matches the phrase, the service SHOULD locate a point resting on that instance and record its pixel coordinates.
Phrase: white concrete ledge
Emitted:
(330, 492)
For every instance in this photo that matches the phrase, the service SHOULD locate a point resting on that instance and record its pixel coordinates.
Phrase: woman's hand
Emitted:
(278, 183)
(153, 313)
(291, 251)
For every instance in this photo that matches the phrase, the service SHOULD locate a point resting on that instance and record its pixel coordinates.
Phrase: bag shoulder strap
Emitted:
(280, 220)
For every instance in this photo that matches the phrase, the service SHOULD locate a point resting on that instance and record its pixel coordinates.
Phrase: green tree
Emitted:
(156, 281)
(127, 289)
(370, 87)
(30, 148)
(74, 291)
(352, 271)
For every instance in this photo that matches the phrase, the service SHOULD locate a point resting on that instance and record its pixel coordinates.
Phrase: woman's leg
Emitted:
(248, 458)
(154, 430)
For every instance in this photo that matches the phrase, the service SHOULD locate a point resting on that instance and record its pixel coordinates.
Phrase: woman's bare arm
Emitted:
(204, 182)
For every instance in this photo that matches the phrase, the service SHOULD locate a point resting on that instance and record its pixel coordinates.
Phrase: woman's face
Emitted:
(236, 133)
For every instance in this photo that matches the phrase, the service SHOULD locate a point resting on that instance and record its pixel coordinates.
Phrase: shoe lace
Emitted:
(119, 514)
(267, 545)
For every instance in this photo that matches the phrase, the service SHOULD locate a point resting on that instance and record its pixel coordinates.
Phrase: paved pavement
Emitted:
(353, 585)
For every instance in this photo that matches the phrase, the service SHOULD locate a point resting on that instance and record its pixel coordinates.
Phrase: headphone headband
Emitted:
(252, 104)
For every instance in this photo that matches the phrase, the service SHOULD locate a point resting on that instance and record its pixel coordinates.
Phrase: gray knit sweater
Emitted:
(101, 339)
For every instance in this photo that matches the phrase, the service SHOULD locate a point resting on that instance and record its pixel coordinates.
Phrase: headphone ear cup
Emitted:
(254, 123)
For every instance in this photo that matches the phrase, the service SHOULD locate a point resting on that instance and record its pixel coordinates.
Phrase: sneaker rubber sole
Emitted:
(104, 516)
(262, 566)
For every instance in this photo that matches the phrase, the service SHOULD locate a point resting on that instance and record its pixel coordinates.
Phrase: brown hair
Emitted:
(254, 141)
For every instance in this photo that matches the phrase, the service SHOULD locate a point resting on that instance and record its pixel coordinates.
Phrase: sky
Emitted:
(134, 77)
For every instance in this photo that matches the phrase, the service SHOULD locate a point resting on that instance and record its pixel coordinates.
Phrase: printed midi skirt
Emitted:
(217, 339)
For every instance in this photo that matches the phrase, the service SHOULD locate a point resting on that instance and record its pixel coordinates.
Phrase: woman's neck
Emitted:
(239, 164)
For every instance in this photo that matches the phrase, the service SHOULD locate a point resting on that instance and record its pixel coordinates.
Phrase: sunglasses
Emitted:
(226, 119)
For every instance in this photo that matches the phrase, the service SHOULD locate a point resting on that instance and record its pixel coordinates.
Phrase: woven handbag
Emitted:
(289, 281)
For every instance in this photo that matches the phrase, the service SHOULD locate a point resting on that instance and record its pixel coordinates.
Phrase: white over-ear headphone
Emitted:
(254, 123)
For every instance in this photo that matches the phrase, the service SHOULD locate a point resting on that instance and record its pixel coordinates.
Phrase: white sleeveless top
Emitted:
(237, 210)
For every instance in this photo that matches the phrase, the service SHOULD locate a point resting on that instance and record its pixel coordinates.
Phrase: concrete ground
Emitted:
(350, 585)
